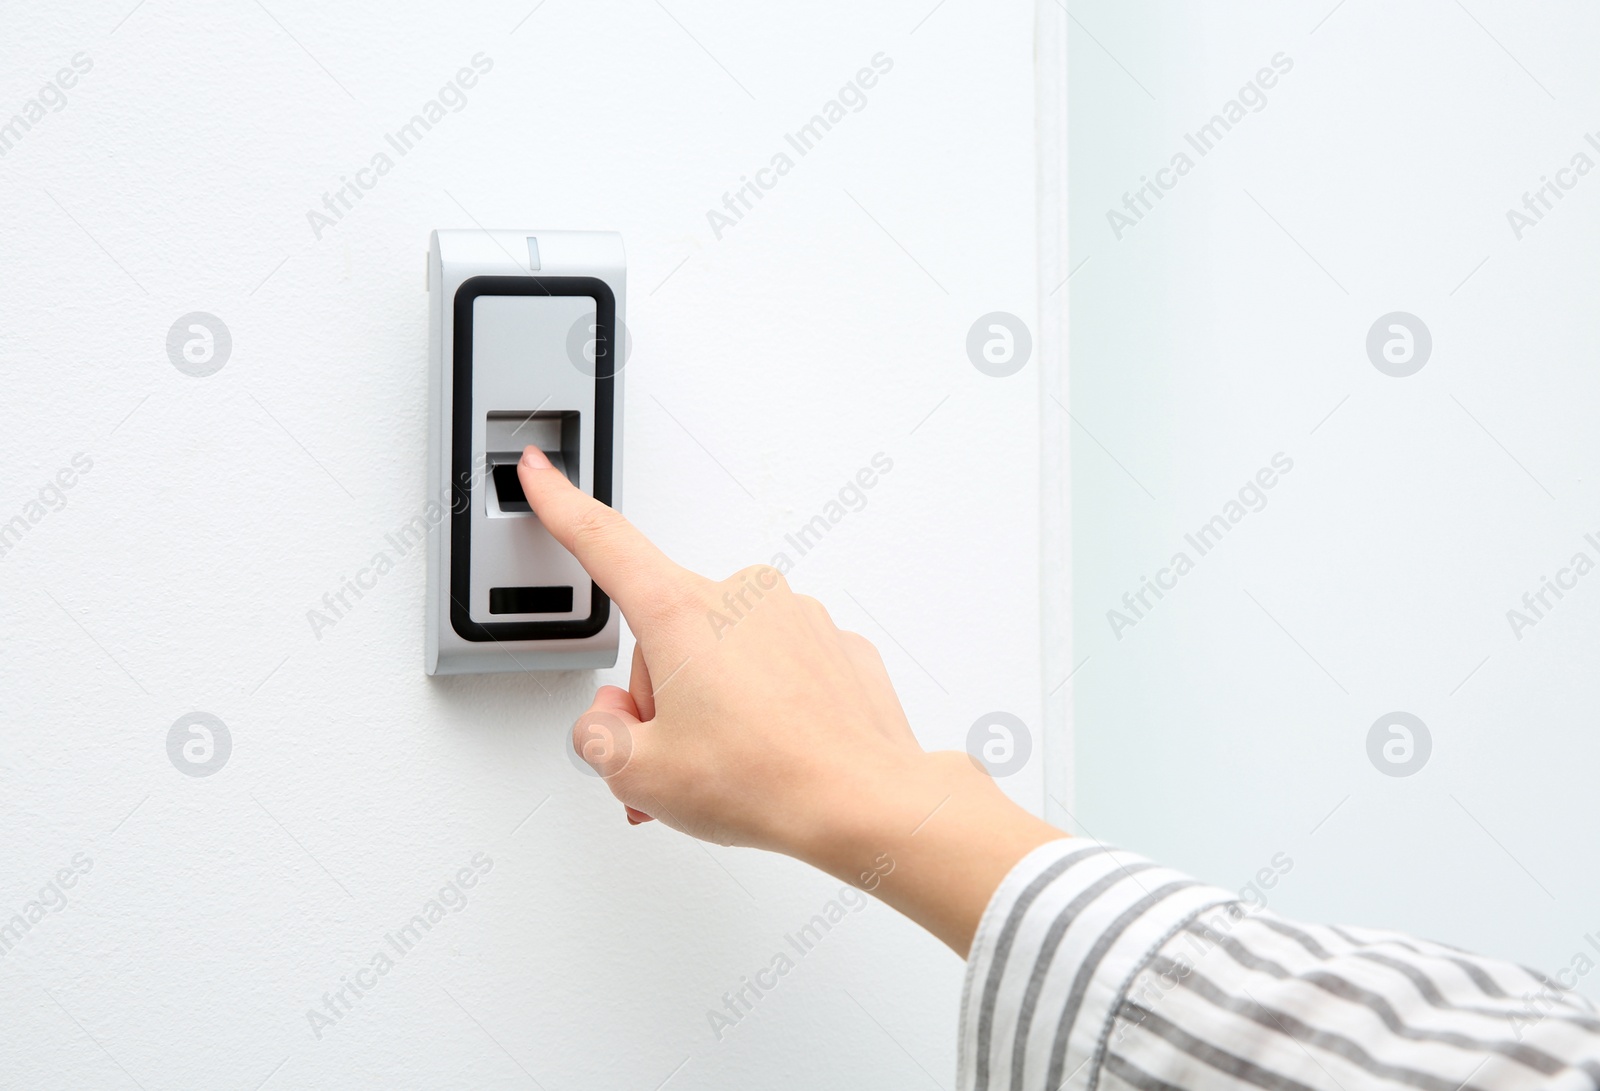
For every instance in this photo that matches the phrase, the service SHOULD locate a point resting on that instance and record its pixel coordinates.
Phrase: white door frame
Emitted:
(1057, 662)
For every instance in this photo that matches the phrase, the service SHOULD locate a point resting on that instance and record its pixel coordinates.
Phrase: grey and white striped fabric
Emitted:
(1095, 968)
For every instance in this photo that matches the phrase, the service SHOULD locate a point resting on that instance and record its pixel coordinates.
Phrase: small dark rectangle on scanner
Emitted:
(530, 600)
(508, 488)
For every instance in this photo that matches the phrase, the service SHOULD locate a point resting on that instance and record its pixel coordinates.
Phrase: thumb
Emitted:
(606, 734)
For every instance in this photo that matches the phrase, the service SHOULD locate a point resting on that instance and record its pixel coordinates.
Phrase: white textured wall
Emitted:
(1230, 723)
(768, 367)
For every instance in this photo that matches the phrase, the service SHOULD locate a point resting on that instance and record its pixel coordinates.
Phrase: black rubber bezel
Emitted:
(462, 476)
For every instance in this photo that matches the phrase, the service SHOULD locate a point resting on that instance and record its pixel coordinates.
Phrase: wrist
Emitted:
(884, 807)
(930, 834)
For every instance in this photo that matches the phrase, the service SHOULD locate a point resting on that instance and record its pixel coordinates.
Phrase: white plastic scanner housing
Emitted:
(524, 349)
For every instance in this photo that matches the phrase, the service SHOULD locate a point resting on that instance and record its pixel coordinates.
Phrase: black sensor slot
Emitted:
(508, 487)
(530, 600)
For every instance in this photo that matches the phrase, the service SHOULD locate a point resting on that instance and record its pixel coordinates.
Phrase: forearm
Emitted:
(933, 840)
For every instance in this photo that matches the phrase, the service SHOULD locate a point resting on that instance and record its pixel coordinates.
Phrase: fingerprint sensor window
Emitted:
(508, 488)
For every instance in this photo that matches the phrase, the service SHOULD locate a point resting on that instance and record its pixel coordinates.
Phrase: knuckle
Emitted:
(855, 642)
(814, 608)
(763, 576)
(865, 651)
(861, 651)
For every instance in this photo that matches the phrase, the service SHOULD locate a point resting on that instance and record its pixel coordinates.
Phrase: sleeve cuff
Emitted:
(1062, 938)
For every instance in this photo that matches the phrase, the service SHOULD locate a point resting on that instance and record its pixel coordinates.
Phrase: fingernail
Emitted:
(534, 459)
(632, 821)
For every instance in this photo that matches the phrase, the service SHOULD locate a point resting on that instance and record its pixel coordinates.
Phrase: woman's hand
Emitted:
(751, 719)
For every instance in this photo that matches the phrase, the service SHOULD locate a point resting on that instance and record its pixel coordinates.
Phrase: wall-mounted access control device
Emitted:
(524, 350)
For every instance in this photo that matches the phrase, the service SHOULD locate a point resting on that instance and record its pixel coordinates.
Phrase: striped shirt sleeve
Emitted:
(1094, 968)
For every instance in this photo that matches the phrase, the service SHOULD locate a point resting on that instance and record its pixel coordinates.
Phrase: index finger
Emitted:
(625, 563)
